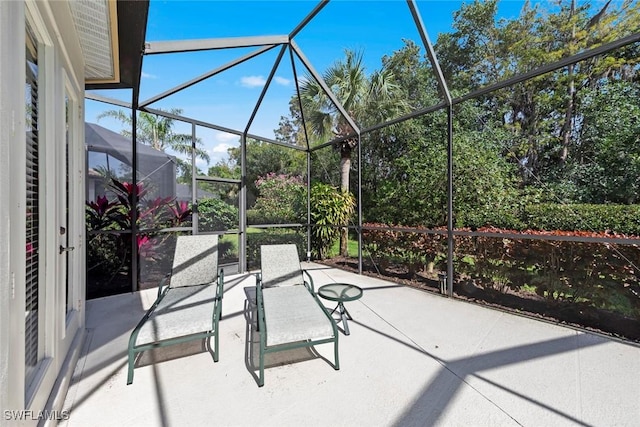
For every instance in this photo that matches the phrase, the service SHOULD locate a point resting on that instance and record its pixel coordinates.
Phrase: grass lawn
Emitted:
(352, 244)
(233, 238)
(352, 248)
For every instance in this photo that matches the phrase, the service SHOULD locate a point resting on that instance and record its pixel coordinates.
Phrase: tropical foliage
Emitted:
(366, 99)
(109, 221)
(330, 207)
(555, 155)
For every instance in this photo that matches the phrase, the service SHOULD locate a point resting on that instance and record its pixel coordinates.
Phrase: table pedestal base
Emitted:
(344, 315)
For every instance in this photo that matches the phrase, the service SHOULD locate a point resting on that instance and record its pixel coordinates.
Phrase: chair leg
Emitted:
(130, 367)
(261, 378)
(216, 344)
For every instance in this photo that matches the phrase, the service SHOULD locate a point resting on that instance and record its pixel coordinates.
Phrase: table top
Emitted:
(340, 292)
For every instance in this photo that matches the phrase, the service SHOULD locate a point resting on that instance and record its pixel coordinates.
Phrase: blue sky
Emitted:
(375, 27)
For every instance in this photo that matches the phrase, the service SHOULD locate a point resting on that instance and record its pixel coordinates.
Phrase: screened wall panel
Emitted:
(155, 252)
(594, 284)
(217, 206)
(414, 256)
(276, 184)
(485, 168)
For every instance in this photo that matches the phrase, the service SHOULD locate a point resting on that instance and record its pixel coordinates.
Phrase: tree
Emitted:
(358, 94)
(264, 158)
(470, 56)
(223, 169)
(608, 170)
(291, 130)
(282, 200)
(158, 133)
(543, 114)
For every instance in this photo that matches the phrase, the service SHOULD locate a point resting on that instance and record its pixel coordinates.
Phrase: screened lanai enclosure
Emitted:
(495, 159)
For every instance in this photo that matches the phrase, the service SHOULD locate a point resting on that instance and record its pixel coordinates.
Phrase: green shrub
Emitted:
(415, 250)
(330, 207)
(274, 237)
(216, 215)
(623, 219)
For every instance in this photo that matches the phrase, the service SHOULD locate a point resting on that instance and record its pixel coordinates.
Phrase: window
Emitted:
(32, 209)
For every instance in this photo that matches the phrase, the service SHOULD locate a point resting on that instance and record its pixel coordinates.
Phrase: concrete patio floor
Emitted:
(412, 359)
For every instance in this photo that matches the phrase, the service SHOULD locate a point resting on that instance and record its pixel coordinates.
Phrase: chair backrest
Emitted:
(195, 261)
(280, 266)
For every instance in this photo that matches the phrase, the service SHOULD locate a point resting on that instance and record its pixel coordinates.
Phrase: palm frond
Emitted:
(119, 115)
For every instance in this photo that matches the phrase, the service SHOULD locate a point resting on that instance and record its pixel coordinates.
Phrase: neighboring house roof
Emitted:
(98, 138)
(153, 166)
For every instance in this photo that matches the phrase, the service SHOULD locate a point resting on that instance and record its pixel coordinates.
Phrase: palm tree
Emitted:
(367, 100)
(158, 133)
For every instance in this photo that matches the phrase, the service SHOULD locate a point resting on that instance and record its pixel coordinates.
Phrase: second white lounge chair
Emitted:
(289, 312)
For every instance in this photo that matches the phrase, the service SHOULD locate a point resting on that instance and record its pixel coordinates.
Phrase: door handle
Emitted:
(67, 249)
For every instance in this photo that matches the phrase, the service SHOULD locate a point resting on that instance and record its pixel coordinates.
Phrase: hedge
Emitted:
(274, 237)
(623, 219)
(597, 274)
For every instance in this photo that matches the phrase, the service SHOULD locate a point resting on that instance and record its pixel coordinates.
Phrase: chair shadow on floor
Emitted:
(177, 351)
(252, 343)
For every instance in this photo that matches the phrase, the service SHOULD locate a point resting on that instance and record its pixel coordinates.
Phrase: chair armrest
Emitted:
(262, 328)
(217, 307)
(308, 283)
(163, 282)
(221, 278)
(134, 334)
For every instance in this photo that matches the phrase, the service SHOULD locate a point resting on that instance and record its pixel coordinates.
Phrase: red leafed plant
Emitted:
(110, 251)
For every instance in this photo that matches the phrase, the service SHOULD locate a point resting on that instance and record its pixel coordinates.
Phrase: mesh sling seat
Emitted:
(289, 313)
(189, 307)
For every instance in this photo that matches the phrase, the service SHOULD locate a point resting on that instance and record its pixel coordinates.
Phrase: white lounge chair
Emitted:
(289, 313)
(189, 307)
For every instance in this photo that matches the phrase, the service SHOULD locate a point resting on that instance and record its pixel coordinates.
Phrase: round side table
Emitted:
(341, 292)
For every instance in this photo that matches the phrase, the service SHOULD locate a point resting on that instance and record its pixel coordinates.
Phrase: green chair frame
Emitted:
(193, 272)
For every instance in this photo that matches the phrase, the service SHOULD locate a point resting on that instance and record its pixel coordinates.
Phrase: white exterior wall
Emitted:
(61, 73)
(11, 45)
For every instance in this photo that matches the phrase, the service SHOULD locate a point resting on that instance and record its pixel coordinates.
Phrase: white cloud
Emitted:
(202, 164)
(252, 81)
(226, 137)
(148, 76)
(260, 81)
(282, 81)
(221, 148)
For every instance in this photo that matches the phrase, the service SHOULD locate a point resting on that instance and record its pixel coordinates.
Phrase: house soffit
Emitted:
(96, 22)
